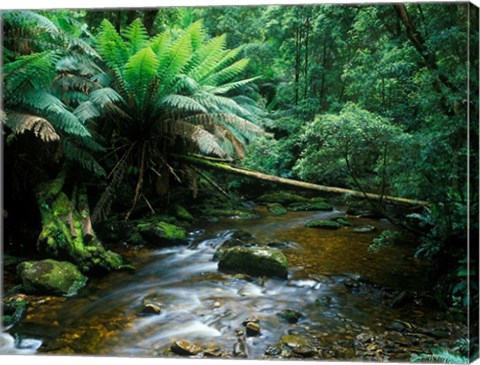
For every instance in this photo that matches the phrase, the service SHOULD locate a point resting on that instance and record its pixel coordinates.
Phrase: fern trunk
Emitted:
(67, 233)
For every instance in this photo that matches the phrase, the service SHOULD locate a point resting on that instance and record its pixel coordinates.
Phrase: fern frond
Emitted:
(208, 57)
(85, 48)
(86, 111)
(159, 44)
(83, 65)
(225, 88)
(197, 34)
(57, 113)
(104, 97)
(28, 18)
(74, 153)
(112, 48)
(41, 128)
(181, 102)
(440, 356)
(136, 36)
(140, 70)
(177, 57)
(227, 73)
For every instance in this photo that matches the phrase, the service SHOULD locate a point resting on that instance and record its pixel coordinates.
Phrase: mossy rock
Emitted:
(323, 224)
(231, 242)
(161, 233)
(181, 213)
(281, 197)
(13, 311)
(231, 213)
(365, 229)
(276, 209)
(290, 315)
(309, 206)
(51, 277)
(257, 261)
(342, 221)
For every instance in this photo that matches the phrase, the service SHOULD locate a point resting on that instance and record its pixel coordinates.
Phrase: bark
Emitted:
(67, 233)
(299, 184)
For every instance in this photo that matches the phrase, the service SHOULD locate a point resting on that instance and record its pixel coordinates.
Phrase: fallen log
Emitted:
(208, 163)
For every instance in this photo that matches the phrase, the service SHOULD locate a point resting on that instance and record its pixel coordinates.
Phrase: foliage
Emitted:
(386, 238)
(441, 356)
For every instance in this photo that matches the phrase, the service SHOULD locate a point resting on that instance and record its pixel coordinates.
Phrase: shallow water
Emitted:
(203, 305)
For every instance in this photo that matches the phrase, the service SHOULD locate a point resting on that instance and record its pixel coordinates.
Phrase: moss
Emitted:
(323, 224)
(281, 197)
(309, 206)
(260, 261)
(231, 213)
(50, 277)
(342, 221)
(172, 231)
(161, 233)
(276, 209)
(181, 213)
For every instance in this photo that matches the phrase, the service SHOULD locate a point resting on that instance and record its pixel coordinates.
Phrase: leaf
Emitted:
(140, 70)
(41, 128)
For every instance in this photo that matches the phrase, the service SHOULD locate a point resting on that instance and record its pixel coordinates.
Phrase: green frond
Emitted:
(104, 97)
(71, 97)
(226, 74)
(246, 128)
(112, 48)
(206, 58)
(225, 88)
(181, 102)
(28, 18)
(86, 111)
(77, 154)
(55, 110)
(159, 44)
(228, 58)
(176, 58)
(140, 70)
(440, 356)
(36, 70)
(20, 123)
(68, 81)
(136, 36)
(197, 34)
(83, 65)
(103, 79)
(84, 47)
(221, 104)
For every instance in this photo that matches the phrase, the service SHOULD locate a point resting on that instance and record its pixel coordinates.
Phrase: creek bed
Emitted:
(343, 292)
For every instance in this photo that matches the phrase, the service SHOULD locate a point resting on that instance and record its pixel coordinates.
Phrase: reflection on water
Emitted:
(201, 304)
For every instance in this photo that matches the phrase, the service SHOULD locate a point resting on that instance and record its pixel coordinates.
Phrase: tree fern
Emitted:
(136, 36)
(440, 356)
(140, 70)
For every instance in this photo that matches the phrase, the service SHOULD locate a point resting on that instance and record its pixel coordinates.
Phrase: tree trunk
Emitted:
(67, 232)
(149, 17)
(299, 184)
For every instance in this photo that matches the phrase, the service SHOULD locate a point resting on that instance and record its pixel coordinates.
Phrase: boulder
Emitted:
(181, 213)
(276, 209)
(51, 277)
(281, 197)
(185, 348)
(259, 261)
(309, 206)
(161, 233)
(323, 224)
(232, 242)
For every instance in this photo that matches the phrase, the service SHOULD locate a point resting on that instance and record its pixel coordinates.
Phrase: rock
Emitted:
(161, 233)
(213, 350)
(251, 319)
(281, 197)
(239, 349)
(309, 206)
(231, 242)
(241, 234)
(342, 221)
(151, 306)
(296, 341)
(259, 261)
(239, 332)
(401, 300)
(181, 213)
(13, 310)
(253, 329)
(323, 224)
(185, 348)
(231, 213)
(279, 245)
(365, 229)
(305, 351)
(273, 350)
(324, 301)
(276, 209)
(51, 277)
(290, 315)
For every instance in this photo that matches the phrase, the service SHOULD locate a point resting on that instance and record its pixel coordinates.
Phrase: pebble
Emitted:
(253, 329)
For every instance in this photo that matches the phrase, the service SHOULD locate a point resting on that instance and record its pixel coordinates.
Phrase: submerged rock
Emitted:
(365, 229)
(151, 306)
(259, 261)
(290, 315)
(273, 350)
(51, 277)
(239, 349)
(185, 348)
(323, 224)
(231, 213)
(297, 342)
(241, 234)
(253, 329)
(342, 221)
(276, 209)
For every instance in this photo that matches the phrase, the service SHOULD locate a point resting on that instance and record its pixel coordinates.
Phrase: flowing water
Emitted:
(202, 305)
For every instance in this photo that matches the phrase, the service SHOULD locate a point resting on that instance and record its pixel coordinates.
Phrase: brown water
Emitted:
(203, 305)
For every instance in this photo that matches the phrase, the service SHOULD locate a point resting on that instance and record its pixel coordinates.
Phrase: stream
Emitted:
(344, 293)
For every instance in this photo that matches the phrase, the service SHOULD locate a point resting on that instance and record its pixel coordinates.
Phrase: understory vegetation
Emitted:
(101, 107)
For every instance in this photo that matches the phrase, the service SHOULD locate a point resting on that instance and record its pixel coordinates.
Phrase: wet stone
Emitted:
(294, 341)
(239, 332)
(185, 348)
(273, 350)
(239, 349)
(290, 315)
(253, 319)
(305, 351)
(151, 308)
(365, 229)
(253, 329)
